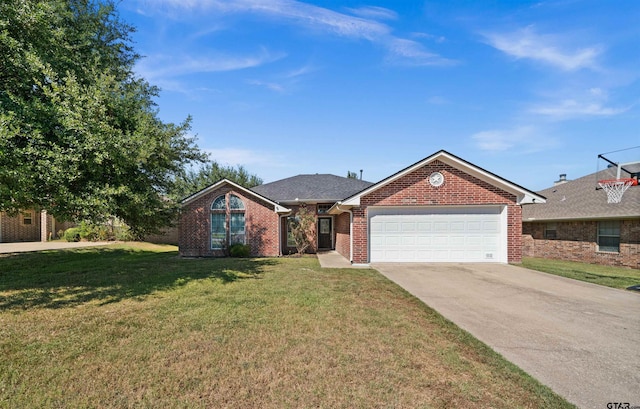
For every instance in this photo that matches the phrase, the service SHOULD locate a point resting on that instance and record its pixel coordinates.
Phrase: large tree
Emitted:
(193, 181)
(79, 132)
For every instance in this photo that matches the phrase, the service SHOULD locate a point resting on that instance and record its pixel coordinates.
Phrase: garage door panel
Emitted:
(446, 234)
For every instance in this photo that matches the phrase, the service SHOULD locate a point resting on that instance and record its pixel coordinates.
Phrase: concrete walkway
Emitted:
(48, 245)
(580, 339)
(333, 259)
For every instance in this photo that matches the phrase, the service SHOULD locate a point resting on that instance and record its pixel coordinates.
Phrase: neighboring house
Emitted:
(440, 209)
(576, 223)
(29, 225)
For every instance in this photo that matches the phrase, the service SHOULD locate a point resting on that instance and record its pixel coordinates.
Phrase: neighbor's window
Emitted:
(550, 231)
(27, 218)
(609, 236)
(324, 208)
(221, 214)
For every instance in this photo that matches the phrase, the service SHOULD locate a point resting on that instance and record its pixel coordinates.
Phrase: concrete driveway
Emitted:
(48, 245)
(580, 339)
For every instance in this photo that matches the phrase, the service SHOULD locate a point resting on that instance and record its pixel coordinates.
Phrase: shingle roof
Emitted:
(311, 188)
(579, 199)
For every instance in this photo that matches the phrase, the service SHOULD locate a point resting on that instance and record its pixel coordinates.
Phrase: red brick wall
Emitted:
(261, 221)
(459, 189)
(577, 241)
(341, 228)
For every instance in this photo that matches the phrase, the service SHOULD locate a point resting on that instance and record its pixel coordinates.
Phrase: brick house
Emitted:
(441, 208)
(29, 225)
(577, 224)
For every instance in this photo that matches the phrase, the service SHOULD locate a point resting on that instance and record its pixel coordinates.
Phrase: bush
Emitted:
(239, 250)
(122, 233)
(72, 234)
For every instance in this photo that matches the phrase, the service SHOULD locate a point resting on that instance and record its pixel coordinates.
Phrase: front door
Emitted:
(324, 233)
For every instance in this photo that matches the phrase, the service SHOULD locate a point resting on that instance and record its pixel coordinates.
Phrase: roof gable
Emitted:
(276, 206)
(523, 195)
(311, 188)
(579, 199)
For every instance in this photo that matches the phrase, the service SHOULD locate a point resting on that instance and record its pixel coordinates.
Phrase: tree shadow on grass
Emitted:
(56, 279)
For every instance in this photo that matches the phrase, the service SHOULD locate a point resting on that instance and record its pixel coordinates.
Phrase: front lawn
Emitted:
(135, 326)
(616, 277)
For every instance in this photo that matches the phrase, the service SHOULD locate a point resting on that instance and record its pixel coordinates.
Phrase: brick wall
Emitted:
(458, 189)
(14, 230)
(577, 241)
(342, 234)
(261, 226)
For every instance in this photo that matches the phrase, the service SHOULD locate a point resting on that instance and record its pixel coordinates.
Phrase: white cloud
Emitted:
(571, 108)
(268, 85)
(374, 12)
(528, 44)
(167, 66)
(314, 18)
(244, 157)
(410, 52)
(525, 139)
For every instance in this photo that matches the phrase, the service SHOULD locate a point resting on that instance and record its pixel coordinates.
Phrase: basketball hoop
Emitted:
(615, 188)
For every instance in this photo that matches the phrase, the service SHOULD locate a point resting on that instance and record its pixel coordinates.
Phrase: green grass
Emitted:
(616, 277)
(136, 326)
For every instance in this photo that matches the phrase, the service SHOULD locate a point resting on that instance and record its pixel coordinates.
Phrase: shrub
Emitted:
(122, 233)
(72, 234)
(239, 250)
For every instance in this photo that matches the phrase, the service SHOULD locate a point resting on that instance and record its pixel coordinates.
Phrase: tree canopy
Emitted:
(79, 131)
(193, 181)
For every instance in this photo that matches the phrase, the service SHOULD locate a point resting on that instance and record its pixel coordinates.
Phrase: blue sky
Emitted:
(524, 89)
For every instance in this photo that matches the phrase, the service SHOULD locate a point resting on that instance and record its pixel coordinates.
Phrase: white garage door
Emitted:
(438, 234)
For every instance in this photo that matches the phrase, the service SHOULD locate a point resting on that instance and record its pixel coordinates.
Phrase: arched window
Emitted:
(227, 213)
(236, 222)
(218, 223)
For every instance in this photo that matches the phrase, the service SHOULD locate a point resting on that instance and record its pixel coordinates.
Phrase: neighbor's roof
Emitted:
(579, 200)
(311, 188)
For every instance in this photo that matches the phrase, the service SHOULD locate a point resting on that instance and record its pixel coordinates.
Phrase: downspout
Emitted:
(350, 232)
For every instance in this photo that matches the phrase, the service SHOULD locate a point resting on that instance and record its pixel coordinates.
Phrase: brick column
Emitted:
(43, 225)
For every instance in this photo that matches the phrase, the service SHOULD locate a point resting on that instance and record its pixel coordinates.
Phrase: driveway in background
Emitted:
(48, 245)
(580, 339)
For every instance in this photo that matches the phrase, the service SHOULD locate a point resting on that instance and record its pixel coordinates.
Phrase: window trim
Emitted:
(550, 231)
(615, 225)
(27, 216)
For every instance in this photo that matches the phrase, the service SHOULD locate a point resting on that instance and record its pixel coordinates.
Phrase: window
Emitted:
(550, 231)
(609, 236)
(291, 221)
(236, 223)
(27, 218)
(323, 208)
(223, 216)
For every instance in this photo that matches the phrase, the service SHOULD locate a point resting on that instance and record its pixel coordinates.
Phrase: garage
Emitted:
(438, 234)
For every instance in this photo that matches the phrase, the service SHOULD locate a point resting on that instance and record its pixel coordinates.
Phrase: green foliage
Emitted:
(239, 250)
(72, 234)
(79, 132)
(192, 181)
(352, 175)
(302, 228)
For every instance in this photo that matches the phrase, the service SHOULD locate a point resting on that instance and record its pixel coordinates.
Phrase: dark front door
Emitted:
(324, 233)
